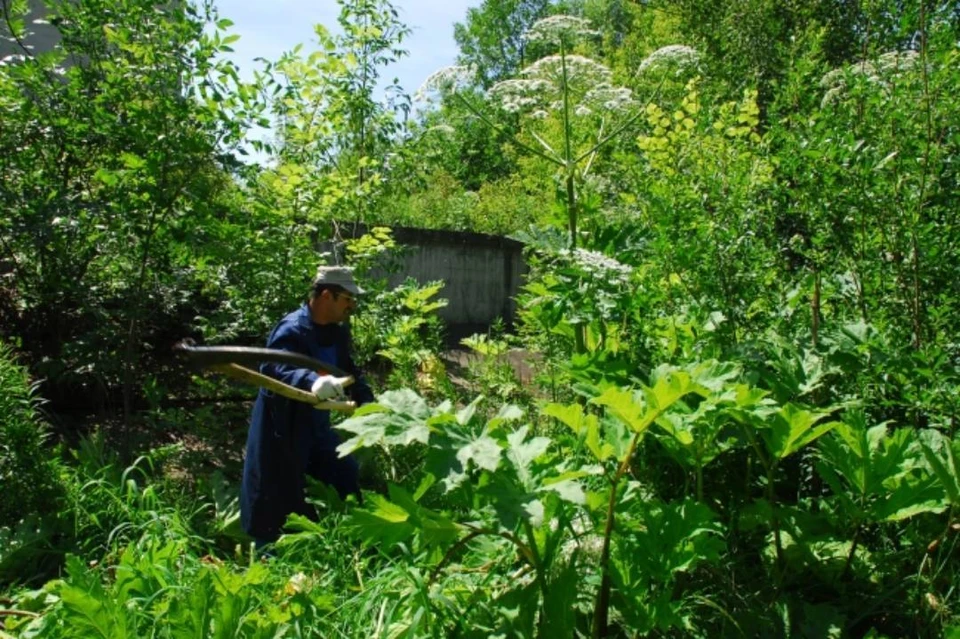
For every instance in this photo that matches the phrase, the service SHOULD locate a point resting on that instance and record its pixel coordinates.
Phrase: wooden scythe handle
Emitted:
(285, 390)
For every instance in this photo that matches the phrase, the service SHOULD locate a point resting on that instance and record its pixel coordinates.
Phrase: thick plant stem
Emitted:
(815, 309)
(453, 550)
(569, 166)
(569, 163)
(771, 470)
(852, 553)
(699, 481)
(538, 566)
(916, 302)
(579, 331)
(601, 613)
(775, 523)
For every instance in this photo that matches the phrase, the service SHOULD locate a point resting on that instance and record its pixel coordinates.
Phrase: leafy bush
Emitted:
(28, 469)
(402, 326)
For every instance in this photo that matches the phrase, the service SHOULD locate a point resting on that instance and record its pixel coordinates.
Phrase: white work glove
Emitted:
(328, 387)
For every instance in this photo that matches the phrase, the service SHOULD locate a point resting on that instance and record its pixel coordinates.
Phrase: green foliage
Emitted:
(876, 138)
(402, 326)
(711, 166)
(659, 544)
(875, 476)
(491, 37)
(100, 230)
(942, 455)
(160, 589)
(742, 303)
(335, 138)
(29, 472)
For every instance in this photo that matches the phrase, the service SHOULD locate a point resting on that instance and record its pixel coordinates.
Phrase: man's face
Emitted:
(342, 305)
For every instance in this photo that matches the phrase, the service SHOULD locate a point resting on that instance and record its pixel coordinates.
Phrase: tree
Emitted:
(491, 39)
(109, 165)
(749, 44)
(334, 135)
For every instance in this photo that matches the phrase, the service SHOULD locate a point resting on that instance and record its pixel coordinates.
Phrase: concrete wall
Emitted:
(40, 35)
(482, 273)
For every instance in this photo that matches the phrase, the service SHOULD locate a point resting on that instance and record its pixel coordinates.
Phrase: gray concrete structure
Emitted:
(40, 35)
(482, 273)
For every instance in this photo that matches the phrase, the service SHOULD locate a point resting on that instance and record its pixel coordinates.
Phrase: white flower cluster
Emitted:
(606, 97)
(443, 129)
(895, 62)
(602, 266)
(880, 72)
(561, 28)
(675, 55)
(519, 94)
(540, 90)
(445, 80)
(580, 70)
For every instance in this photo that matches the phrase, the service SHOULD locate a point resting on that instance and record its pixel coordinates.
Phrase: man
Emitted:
(288, 439)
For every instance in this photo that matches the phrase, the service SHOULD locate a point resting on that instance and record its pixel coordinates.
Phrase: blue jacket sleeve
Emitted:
(288, 337)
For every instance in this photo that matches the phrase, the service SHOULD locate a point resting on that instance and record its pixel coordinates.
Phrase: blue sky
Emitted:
(267, 29)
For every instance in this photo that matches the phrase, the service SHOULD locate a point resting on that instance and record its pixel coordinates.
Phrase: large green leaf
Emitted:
(600, 445)
(89, 610)
(665, 539)
(567, 486)
(91, 615)
(638, 411)
(511, 502)
(872, 472)
(668, 389)
(435, 528)
(943, 454)
(523, 452)
(874, 475)
(571, 415)
(560, 602)
(712, 376)
(398, 418)
(583, 425)
(484, 452)
(908, 498)
(791, 428)
(380, 522)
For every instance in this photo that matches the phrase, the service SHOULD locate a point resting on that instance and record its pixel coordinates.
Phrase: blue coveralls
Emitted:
(288, 439)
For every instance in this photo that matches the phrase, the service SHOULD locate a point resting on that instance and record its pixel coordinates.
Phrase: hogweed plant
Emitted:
(564, 92)
(499, 481)
(571, 88)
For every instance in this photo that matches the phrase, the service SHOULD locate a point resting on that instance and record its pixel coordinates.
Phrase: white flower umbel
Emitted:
(557, 29)
(603, 267)
(674, 56)
(443, 81)
(606, 97)
(540, 90)
(881, 72)
(13, 58)
(580, 70)
(444, 130)
(520, 94)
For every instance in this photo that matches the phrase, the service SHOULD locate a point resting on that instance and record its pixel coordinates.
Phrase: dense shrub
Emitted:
(28, 471)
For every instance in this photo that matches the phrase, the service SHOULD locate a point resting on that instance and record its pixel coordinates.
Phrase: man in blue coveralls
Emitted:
(289, 440)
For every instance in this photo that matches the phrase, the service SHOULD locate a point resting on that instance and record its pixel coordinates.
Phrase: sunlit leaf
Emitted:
(571, 415)
(483, 451)
(943, 454)
(791, 428)
(380, 522)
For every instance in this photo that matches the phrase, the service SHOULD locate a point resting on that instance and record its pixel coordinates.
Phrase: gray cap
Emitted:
(337, 276)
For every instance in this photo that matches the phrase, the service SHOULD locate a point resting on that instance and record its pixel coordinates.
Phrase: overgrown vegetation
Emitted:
(740, 317)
